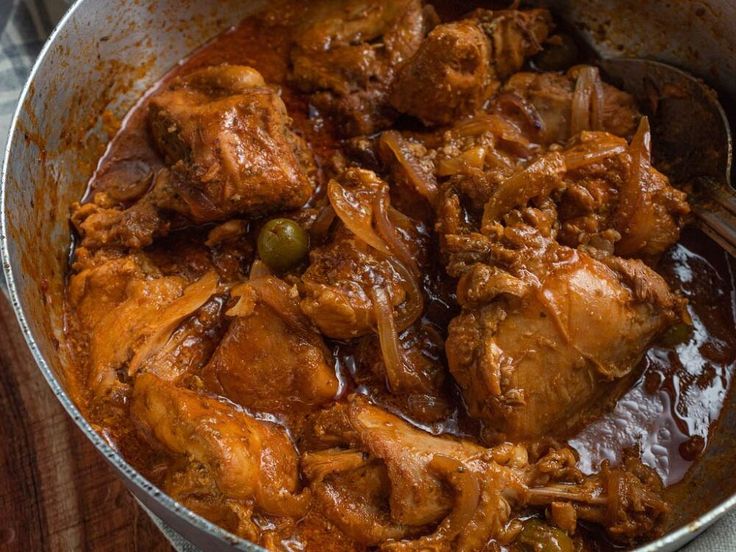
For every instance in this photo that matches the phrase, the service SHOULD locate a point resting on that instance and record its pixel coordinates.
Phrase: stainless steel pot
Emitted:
(105, 53)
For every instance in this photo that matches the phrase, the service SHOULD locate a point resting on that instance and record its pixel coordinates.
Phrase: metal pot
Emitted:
(105, 53)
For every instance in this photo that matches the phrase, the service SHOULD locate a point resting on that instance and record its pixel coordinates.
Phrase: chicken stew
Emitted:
(401, 276)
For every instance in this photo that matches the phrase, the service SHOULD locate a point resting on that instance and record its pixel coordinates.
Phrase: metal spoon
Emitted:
(691, 138)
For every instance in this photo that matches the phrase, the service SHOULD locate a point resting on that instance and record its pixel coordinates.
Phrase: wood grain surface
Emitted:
(56, 491)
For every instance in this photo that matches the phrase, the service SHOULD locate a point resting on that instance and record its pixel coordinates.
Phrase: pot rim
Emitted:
(680, 537)
(141, 484)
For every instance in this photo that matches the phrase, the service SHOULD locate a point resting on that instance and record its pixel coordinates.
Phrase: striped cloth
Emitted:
(24, 26)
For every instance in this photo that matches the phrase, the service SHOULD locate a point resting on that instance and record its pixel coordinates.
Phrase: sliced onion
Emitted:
(500, 127)
(195, 295)
(259, 269)
(246, 300)
(466, 485)
(641, 143)
(587, 101)
(634, 219)
(356, 217)
(539, 178)
(575, 160)
(323, 222)
(474, 158)
(412, 308)
(597, 106)
(509, 103)
(424, 182)
(387, 337)
(391, 237)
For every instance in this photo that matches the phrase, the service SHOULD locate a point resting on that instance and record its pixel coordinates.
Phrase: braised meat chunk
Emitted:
(346, 55)
(129, 311)
(270, 359)
(247, 459)
(226, 135)
(540, 346)
(461, 64)
(616, 200)
(226, 138)
(449, 494)
(368, 263)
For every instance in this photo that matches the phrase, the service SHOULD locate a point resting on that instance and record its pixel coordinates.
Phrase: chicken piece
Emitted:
(353, 493)
(192, 484)
(129, 311)
(271, 360)
(547, 330)
(467, 492)
(102, 222)
(418, 390)
(225, 135)
(461, 64)
(607, 193)
(247, 459)
(346, 55)
(567, 104)
(616, 200)
(360, 263)
(337, 286)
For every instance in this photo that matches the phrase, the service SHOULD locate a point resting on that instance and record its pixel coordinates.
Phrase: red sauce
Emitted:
(673, 407)
(671, 410)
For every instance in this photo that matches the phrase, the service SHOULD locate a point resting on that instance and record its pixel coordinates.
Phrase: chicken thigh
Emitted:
(247, 459)
(540, 345)
(346, 55)
(226, 138)
(461, 64)
(270, 359)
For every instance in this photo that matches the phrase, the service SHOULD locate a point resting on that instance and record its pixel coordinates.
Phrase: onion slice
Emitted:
(356, 217)
(587, 102)
(466, 485)
(575, 160)
(387, 337)
(391, 237)
(424, 182)
(413, 306)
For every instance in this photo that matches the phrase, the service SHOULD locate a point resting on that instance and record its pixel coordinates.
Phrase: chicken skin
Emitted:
(247, 459)
(226, 139)
(450, 494)
(129, 310)
(461, 64)
(270, 359)
(346, 55)
(539, 346)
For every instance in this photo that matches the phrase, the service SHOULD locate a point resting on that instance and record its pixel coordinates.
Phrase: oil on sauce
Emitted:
(673, 407)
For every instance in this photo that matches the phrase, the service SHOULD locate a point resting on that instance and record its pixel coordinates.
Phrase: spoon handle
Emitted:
(714, 206)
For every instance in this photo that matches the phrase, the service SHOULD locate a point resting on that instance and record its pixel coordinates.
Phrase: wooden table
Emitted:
(56, 491)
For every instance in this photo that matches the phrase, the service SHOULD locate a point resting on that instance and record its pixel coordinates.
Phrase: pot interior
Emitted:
(108, 52)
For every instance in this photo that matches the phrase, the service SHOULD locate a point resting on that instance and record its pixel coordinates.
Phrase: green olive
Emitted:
(560, 53)
(677, 334)
(537, 536)
(282, 244)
